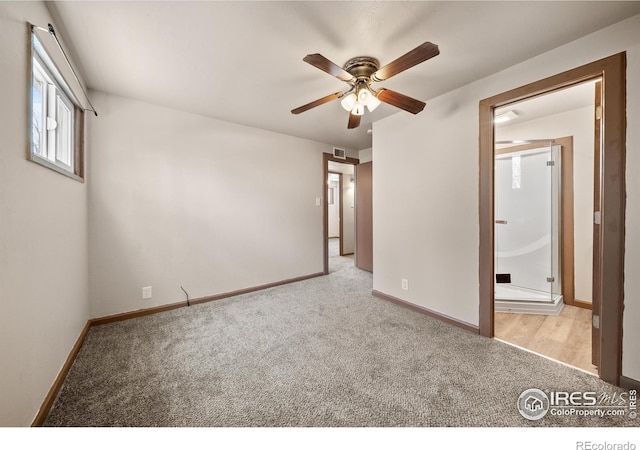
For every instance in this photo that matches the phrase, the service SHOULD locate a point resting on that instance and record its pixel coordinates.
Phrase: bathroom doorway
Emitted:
(608, 196)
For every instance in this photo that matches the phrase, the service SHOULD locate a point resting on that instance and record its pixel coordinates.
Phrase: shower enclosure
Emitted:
(527, 230)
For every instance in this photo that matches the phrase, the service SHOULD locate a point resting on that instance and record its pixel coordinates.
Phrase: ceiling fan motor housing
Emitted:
(362, 67)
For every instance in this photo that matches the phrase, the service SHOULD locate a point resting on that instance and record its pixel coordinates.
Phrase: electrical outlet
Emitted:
(146, 293)
(405, 284)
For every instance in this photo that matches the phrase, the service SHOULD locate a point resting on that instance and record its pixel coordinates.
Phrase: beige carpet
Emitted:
(319, 353)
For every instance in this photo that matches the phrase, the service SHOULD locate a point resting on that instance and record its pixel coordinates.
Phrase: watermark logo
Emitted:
(533, 404)
(589, 445)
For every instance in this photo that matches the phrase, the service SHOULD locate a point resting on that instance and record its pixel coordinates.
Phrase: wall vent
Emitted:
(339, 153)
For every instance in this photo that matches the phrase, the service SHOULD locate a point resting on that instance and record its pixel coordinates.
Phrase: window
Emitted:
(56, 120)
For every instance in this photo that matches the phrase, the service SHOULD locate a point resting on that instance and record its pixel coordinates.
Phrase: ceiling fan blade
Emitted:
(400, 101)
(354, 121)
(419, 54)
(320, 101)
(322, 63)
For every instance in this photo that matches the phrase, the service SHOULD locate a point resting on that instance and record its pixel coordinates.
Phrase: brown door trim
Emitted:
(326, 157)
(613, 72)
(568, 223)
(339, 201)
(596, 296)
(364, 216)
(340, 216)
(340, 211)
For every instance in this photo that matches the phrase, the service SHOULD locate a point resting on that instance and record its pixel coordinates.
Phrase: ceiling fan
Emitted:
(359, 73)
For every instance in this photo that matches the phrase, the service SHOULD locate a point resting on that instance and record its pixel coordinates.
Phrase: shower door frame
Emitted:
(609, 266)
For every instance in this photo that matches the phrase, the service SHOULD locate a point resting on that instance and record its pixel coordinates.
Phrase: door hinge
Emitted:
(599, 112)
(595, 320)
(551, 163)
(597, 217)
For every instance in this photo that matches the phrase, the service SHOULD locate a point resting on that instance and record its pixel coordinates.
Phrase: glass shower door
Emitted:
(524, 228)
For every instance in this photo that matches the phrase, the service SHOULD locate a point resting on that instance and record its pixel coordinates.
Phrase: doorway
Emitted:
(608, 235)
(341, 210)
(339, 186)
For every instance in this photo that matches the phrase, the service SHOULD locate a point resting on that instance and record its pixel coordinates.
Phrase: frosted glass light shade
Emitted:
(363, 96)
(349, 101)
(373, 103)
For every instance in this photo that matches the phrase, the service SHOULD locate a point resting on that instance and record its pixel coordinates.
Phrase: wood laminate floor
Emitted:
(565, 337)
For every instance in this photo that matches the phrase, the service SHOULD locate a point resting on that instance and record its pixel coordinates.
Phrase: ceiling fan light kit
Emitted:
(359, 73)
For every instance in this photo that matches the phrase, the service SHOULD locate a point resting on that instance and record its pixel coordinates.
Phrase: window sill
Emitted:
(48, 164)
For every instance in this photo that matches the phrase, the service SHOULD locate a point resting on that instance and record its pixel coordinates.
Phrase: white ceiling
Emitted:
(574, 97)
(242, 61)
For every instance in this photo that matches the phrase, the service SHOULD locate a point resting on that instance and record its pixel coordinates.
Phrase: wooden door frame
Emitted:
(612, 181)
(326, 157)
(596, 299)
(339, 201)
(364, 216)
(567, 271)
(342, 209)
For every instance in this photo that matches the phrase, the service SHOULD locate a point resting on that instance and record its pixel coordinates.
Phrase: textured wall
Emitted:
(177, 199)
(43, 241)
